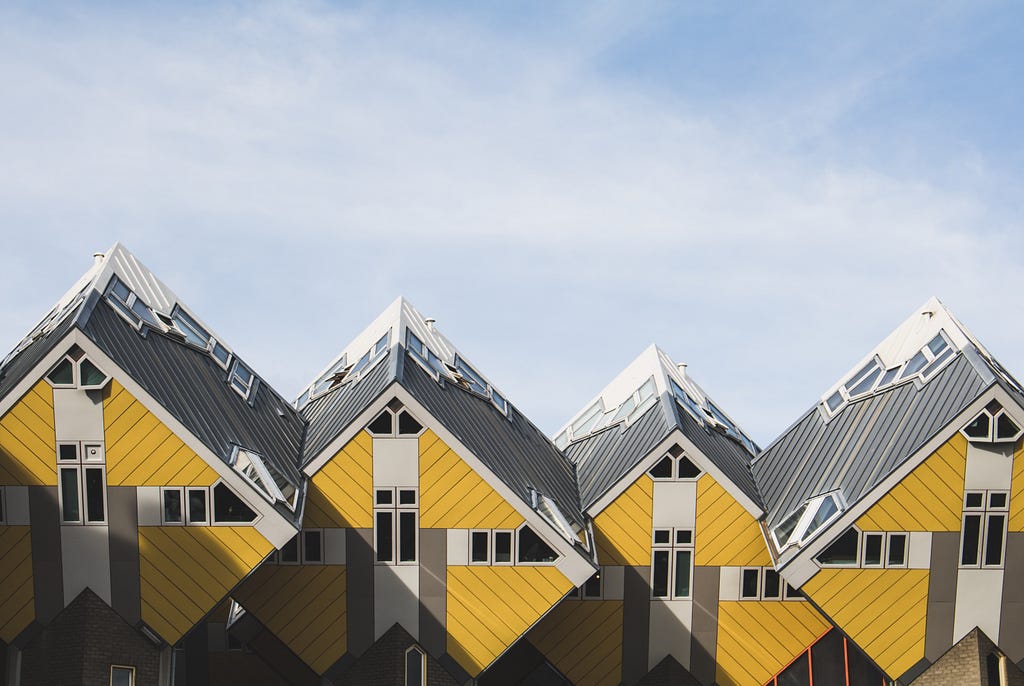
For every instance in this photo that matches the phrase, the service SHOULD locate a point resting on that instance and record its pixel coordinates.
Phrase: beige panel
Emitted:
(396, 462)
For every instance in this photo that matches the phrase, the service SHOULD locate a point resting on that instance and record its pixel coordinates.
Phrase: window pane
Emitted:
(407, 425)
(382, 424)
(221, 353)
(687, 469)
(532, 547)
(290, 550)
(751, 580)
(662, 470)
(897, 550)
(94, 494)
(997, 500)
(827, 660)
(971, 544)
(414, 668)
(659, 574)
(63, 374)
(684, 537)
(682, 585)
(873, 549)
(1005, 427)
(772, 584)
(502, 546)
(592, 587)
(385, 538)
(975, 500)
(994, 539)
(784, 530)
(385, 497)
(69, 495)
(843, 550)
(312, 550)
(172, 507)
(228, 507)
(68, 452)
(979, 427)
(479, 549)
(825, 512)
(406, 536)
(662, 536)
(197, 505)
(91, 375)
(916, 364)
(122, 676)
(406, 497)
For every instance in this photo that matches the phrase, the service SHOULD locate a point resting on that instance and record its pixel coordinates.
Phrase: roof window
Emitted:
(992, 425)
(874, 376)
(125, 302)
(48, 324)
(711, 415)
(242, 379)
(268, 480)
(801, 525)
(460, 372)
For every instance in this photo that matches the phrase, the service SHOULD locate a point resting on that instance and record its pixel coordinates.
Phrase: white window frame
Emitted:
(672, 547)
(188, 506)
(74, 373)
(270, 491)
(800, 535)
(297, 540)
(233, 376)
(423, 666)
(676, 459)
(130, 669)
(889, 535)
(304, 555)
(487, 557)
(163, 509)
(986, 511)
(81, 465)
(213, 517)
(396, 509)
(512, 547)
(883, 558)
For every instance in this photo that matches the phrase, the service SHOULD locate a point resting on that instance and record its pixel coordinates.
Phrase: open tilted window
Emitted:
(267, 479)
(128, 305)
(814, 514)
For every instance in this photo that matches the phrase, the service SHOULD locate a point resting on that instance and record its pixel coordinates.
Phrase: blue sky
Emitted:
(764, 190)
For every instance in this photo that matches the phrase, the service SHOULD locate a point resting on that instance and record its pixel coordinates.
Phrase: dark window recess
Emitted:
(793, 592)
(843, 550)
(659, 574)
(662, 470)
(479, 552)
(684, 536)
(172, 507)
(406, 497)
(862, 671)
(975, 499)
(772, 584)
(228, 507)
(994, 540)
(69, 495)
(197, 505)
(407, 425)
(68, 452)
(971, 544)
(992, 669)
(312, 550)
(997, 500)
(979, 427)
(63, 374)
(897, 550)
(414, 668)
(687, 469)
(682, 584)
(797, 674)
(662, 536)
(94, 495)
(290, 550)
(873, 549)
(406, 536)
(592, 586)
(1005, 427)
(751, 580)
(384, 537)
(502, 546)
(533, 549)
(91, 375)
(382, 424)
(827, 661)
(385, 497)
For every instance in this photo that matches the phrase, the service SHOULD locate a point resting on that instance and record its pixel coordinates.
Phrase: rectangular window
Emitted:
(750, 581)
(198, 512)
(241, 379)
(897, 551)
(385, 535)
(502, 547)
(671, 563)
(3, 505)
(396, 525)
(873, 544)
(173, 512)
(95, 492)
(983, 529)
(659, 573)
(69, 501)
(122, 676)
(772, 587)
(406, 536)
(592, 587)
(312, 546)
(82, 483)
(479, 547)
(290, 552)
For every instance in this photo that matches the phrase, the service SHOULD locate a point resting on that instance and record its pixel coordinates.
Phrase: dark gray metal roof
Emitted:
(27, 359)
(194, 390)
(329, 414)
(511, 447)
(864, 442)
(604, 457)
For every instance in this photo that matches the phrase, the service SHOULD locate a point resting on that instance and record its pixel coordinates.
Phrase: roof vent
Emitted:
(430, 321)
(681, 367)
(98, 257)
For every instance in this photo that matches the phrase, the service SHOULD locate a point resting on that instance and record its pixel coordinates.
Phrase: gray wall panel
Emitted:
(47, 575)
(704, 642)
(636, 619)
(941, 594)
(1011, 620)
(433, 590)
(359, 589)
(123, 515)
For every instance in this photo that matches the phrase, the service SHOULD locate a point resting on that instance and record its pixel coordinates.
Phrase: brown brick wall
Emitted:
(384, 664)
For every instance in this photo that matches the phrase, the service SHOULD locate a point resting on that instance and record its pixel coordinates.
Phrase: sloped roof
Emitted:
(613, 446)
(856, 446)
(184, 379)
(483, 419)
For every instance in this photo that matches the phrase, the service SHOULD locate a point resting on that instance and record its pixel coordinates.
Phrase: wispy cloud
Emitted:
(290, 168)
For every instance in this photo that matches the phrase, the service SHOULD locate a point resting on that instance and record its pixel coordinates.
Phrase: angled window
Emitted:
(90, 376)
(992, 425)
(394, 421)
(588, 421)
(330, 379)
(77, 373)
(801, 525)
(424, 355)
(267, 479)
(241, 379)
(383, 424)
(228, 508)
(63, 375)
(674, 468)
(843, 552)
(533, 548)
(193, 332)
(407, 424)
(127, 304)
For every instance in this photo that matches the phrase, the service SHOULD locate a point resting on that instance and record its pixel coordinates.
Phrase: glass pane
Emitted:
(221, 353)
(826, 510)
(784, 530)
(873, 549)
(1005, 427)
(385, 537)
(971, 544)
(143, 312)
(772, 584)
(994, 540)
(363, 361)
(749, 583)
(997, 500)
(407, 425)
(624, 410)
(936, 363)
(197, 505)
(793, 592)
(592, 587)
(897, 550)
(659, 574)
(381, 345)
(914, 365)
(63, 374)
(872, 365)
(406, 536)
(122, 676)
(889, 376)
(937, 345)
(228, 507)
(662, 536)
(502, 546)
(662, 470)
(406, 496)
(532, 547)
(682, 585)
(312, 550)
(843, 550)
(290, 550)
(479, 548)
(385, 496)
(69, 495)
(499, 401)
(194, 334)
(827, 660)
(687, 469)
(834, 401)
(684, 537)
(172, 507)
(382, 424)
(865, 385)
(974, 499)
(414, 668)
(68, 452)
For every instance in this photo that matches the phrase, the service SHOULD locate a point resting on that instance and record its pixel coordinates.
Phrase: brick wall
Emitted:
(969, 663)
(82, 642)
(383, 664)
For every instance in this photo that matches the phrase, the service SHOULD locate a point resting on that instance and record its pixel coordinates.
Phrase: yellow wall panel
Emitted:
(28, 444)
(489, 608)
(304, 606)
(17, 597)
(756, 639)
(1017, 491)
(186, 571)
(930, 498)
(583, 640)
(142, 451)
(622, 531)
(727, 535)
(882, 610)
(453, 496)
(344, 486)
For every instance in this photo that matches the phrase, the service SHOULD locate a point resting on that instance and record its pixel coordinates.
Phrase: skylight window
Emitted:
(874, 376)
(124, 301)
(691, 405)
(814, 514)
(241, 379)
(992, 425)
(267, 479)
(425, 355)
(48, 324)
